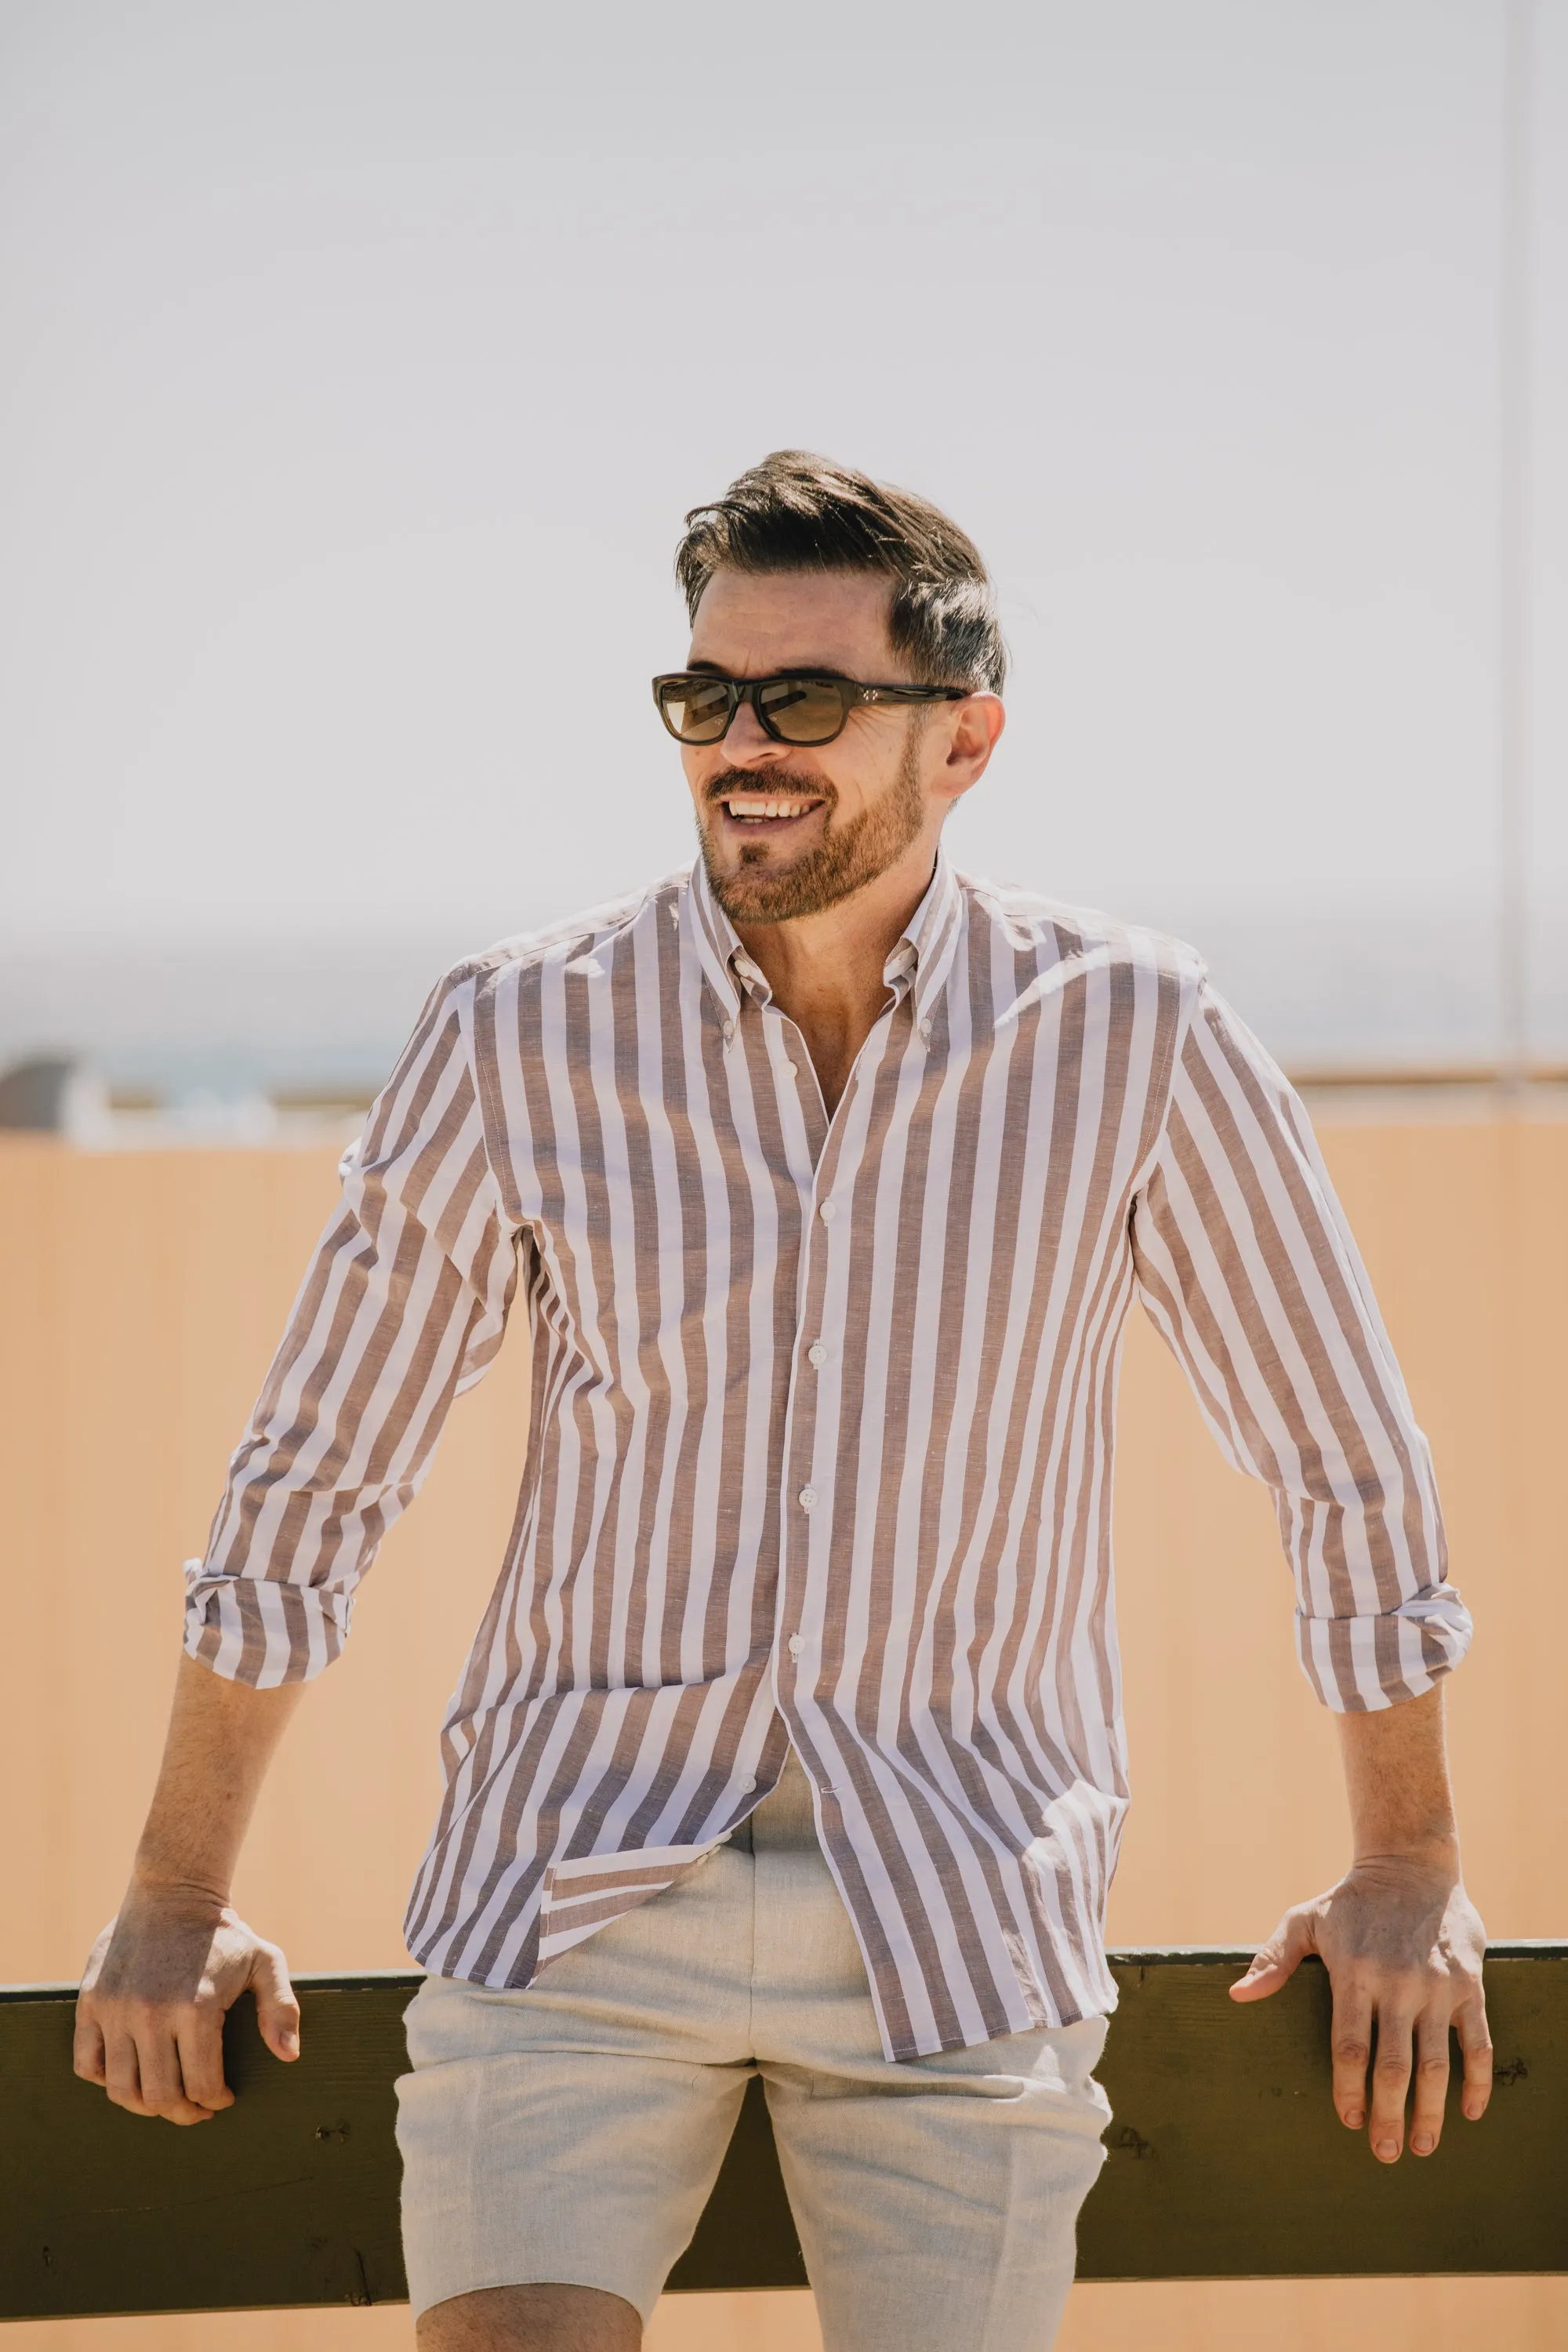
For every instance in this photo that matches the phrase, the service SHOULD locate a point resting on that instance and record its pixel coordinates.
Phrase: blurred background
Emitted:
(362, 362)
(366, 355)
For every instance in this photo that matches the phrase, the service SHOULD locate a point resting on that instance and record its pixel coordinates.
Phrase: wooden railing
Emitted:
(1226, 2158)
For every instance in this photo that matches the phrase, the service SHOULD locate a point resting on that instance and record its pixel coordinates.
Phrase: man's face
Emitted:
(787, 831)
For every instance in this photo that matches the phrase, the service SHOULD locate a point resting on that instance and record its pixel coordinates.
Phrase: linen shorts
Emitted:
(572, 2131)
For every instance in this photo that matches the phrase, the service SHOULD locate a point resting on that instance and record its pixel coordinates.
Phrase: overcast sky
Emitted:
(363, 358)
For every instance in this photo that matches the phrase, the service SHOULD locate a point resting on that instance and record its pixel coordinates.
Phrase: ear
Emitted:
(973, 730)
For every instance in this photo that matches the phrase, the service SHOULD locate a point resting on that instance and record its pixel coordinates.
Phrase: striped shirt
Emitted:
(823, 1423)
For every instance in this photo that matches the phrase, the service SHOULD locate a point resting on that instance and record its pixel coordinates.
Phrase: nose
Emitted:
(746, 745)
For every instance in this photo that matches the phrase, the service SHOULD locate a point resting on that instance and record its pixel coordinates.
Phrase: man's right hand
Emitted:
(159, 1982)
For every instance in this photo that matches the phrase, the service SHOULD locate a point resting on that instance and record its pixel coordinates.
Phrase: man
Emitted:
(791, 1742)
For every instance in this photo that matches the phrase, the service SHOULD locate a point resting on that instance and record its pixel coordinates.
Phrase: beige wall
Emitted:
(143, 1293)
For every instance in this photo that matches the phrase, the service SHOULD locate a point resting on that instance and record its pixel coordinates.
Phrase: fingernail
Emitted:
(1388, 2149)
(291, 2045)
(1354, 2118)
(1423, 2144)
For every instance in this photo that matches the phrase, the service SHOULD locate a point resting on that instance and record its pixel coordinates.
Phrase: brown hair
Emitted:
(795, 512)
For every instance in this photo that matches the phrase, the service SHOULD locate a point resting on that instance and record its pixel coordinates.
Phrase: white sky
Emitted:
(364, 356)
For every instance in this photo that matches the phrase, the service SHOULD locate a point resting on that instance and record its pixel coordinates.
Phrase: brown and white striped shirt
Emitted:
(822, 1420)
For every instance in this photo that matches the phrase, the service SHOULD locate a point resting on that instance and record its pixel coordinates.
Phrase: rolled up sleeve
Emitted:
(1247, 1267)
(404, 1304)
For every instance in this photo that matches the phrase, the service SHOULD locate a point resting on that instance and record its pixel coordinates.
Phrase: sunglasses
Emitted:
(698, 709)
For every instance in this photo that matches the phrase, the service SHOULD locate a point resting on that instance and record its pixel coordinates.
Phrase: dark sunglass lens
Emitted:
(695, 709)
(803, 710)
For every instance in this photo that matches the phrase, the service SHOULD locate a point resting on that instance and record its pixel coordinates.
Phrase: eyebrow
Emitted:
(791, 669)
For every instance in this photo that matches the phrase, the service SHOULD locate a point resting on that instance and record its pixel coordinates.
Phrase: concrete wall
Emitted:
(143, 1292)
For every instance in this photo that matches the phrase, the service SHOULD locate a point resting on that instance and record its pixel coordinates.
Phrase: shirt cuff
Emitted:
(1358, 1664)
(251, 1628)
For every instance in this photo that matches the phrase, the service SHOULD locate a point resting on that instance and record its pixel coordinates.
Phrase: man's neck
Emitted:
(826, 971)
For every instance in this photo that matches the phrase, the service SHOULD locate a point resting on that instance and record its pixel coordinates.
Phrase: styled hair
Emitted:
(796, 512)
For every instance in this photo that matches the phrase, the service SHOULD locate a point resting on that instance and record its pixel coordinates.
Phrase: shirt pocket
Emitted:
(584, 1895)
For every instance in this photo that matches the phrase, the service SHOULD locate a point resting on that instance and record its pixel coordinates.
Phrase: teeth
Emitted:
(767, 808)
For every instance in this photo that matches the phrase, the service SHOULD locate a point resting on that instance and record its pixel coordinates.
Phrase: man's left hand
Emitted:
(1402, 1944)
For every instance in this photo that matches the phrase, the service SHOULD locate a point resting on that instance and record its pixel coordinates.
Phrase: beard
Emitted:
(844, 860)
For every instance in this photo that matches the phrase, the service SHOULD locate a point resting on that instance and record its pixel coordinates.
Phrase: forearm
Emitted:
(1396, 1780)
(221, 1739)
(1401, 1938)
(162, 1975)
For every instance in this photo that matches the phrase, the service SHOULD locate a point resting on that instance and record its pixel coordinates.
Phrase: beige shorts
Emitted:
(572, 2131)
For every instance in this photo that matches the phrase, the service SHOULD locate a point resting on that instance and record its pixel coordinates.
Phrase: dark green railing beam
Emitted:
(1227, 2160)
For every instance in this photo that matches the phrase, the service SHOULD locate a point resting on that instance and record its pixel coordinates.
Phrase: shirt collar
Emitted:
(714, 938)
(925, 947)
(931, 936)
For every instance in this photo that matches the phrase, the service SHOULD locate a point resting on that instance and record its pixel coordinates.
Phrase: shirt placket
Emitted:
(807, 1504)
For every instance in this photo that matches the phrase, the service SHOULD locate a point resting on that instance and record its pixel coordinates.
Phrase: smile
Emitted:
(767, 808)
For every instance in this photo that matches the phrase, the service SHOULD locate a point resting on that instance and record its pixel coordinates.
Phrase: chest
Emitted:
(658, 1170)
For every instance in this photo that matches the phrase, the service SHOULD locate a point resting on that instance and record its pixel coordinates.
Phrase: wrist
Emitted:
(154, 1881)
(1434, 1855)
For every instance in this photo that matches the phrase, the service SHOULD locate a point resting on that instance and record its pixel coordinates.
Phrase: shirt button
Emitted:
(748, 1784)
(791, 1068)
(729, 1029)
(825, 1212)
(796, 1646)
(808, 1498)
(925, 1030)
(817, 1354)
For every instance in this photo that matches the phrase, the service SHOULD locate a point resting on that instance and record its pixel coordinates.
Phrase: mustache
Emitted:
(746, 780)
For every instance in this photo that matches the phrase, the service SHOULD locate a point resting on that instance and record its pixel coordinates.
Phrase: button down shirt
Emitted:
(822, 1420)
